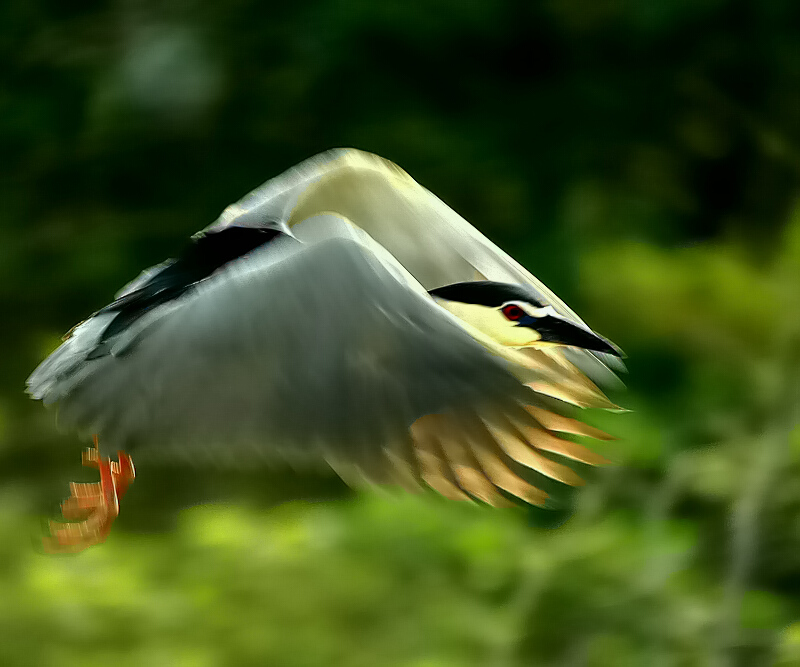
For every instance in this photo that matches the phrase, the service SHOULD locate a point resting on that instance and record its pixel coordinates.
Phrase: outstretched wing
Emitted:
(326, 354)
(382, 202)
(428, 238)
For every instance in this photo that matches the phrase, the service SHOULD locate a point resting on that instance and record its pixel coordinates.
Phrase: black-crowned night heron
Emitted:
(340, 312)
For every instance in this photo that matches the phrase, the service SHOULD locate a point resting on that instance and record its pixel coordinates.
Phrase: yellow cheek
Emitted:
(515, 336)
(491, 322)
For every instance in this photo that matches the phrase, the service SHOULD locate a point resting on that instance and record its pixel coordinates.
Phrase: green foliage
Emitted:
(414, 580)
(641, 157)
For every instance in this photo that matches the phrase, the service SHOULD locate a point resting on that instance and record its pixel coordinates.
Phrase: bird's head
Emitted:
(515, 316)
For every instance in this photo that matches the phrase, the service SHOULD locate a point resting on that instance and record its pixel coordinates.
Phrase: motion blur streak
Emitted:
(298, 326)
(640, 157)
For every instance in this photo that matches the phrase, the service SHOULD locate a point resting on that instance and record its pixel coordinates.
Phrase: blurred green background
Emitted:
(640, 156)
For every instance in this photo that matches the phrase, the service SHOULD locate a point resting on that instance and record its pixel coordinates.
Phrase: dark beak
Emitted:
(554, 329)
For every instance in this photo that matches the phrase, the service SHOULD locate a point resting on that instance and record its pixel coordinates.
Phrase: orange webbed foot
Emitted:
(91, 507)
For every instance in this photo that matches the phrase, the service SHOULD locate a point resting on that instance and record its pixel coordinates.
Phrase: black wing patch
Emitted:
(200, 259)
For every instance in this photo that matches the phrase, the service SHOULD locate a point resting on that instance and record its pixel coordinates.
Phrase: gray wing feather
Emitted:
(320, 355)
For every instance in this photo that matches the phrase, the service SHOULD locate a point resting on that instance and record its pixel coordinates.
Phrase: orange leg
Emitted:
(92, 507)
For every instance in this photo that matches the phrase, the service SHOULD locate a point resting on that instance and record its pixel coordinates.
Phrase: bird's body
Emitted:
(340, 312)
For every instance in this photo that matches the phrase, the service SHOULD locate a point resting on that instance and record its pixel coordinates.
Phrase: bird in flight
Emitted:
(340, 312)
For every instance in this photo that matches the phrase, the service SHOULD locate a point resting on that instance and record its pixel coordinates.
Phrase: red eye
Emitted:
(513, 312)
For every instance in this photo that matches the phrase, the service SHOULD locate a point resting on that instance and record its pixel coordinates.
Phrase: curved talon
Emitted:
(94, 506)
